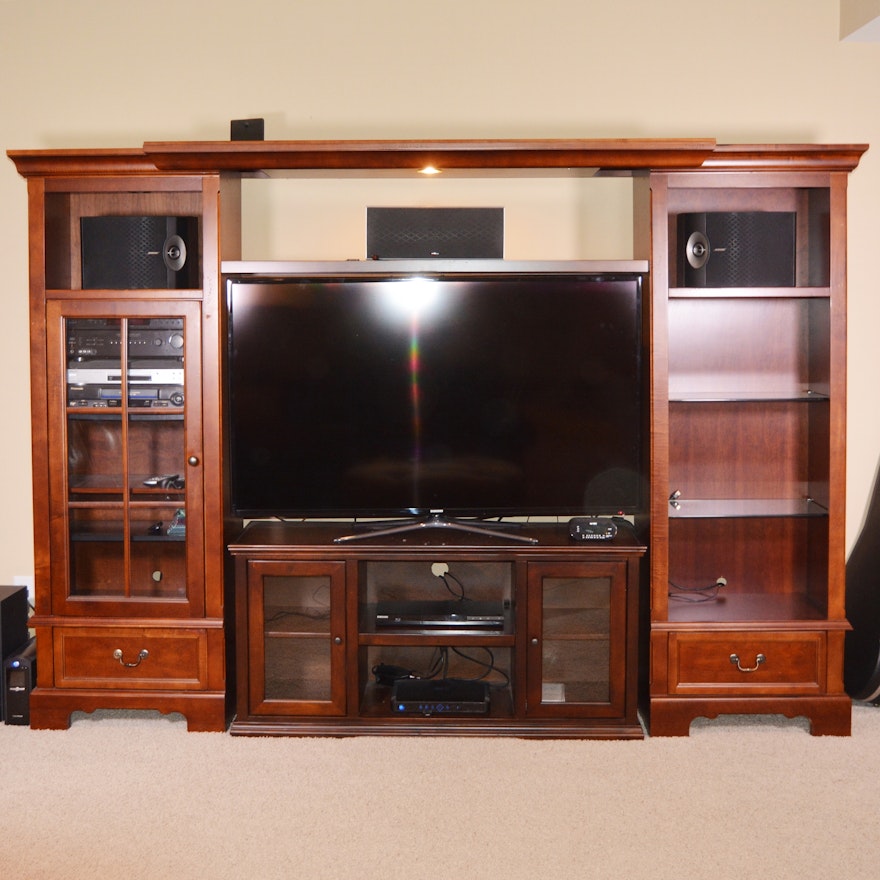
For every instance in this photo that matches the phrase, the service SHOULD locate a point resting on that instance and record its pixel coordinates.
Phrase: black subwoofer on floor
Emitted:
(736, 249)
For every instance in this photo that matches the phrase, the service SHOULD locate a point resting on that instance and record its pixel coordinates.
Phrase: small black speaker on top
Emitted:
(122, 253)
(737, 249)
(246, 129)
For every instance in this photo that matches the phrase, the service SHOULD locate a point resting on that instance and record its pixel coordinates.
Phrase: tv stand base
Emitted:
(436, 727)
(563, 664)
(436, 520)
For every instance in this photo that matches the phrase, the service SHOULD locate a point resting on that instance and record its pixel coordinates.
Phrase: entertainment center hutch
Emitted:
(726, 595)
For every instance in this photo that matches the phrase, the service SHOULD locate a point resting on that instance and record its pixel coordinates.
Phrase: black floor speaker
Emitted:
(861, 656)
(122, 253)
(435, 233)
(737, 249)
(13, 627)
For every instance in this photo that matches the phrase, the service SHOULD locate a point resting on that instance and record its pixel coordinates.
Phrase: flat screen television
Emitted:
(391, 392)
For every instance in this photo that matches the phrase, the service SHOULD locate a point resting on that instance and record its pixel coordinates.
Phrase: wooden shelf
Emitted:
(376, 155)
(610, 155)
(757, 609)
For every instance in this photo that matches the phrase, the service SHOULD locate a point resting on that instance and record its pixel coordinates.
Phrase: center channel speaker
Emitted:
(435, 233)
(737, 249)
(122, 253)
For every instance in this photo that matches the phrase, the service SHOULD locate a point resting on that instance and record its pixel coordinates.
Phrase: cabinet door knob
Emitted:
(337, 640)
(192, 460)
(534, 641)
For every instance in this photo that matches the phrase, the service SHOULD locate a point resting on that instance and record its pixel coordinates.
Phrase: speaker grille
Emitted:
(744, 249)
(444, 233)
(758, 250)
(119, 253)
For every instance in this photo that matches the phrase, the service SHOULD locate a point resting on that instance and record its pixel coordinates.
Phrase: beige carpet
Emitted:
(128, 796)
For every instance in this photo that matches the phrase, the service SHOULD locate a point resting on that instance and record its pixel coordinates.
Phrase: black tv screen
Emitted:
(471, 394)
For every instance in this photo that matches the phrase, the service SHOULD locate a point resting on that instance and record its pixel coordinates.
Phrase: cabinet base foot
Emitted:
(828, 716)
(289, 726)
(51, 709)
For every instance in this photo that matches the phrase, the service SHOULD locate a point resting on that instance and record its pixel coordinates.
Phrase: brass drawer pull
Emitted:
(142, 655)
(734, 658)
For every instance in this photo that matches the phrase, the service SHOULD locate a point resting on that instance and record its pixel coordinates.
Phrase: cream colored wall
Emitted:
(96, 73)
(855, 14)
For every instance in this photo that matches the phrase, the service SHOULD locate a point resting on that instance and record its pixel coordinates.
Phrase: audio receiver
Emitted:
(445, 696)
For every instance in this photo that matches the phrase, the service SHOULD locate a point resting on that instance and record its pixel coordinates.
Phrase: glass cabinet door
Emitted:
(296, 624)
(126, 427)
(576, 639)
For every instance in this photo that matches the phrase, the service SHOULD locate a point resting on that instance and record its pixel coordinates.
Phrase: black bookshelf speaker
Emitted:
(122, 253)
(435, 233)
(13, 626)
(737, 249)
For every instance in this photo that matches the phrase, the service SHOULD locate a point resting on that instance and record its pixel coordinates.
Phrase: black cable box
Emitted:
(441, 614)
(416, 696)
(587, 528)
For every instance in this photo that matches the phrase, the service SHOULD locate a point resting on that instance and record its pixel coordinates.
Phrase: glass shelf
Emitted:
(806, 395)
(819, 292)
(135, 413)
(720, 508)
(115, 537)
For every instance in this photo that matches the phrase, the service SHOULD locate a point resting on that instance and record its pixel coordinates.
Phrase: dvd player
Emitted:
(445, 696)
(156, 371)
(442, 614)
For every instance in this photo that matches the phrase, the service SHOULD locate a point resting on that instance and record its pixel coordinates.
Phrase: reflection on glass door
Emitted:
(577, 638)
(296, 612)
(125, 439)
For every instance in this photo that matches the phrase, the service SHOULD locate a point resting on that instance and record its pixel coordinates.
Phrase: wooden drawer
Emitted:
(131, 657)
(723, 663)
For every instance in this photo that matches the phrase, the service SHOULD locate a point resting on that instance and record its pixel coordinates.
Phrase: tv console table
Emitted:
(313, 660)
(745, 437)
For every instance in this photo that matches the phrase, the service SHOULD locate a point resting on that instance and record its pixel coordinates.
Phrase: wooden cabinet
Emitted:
(314, 656)
(746, 423)
(128, 510)
(749, 448)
